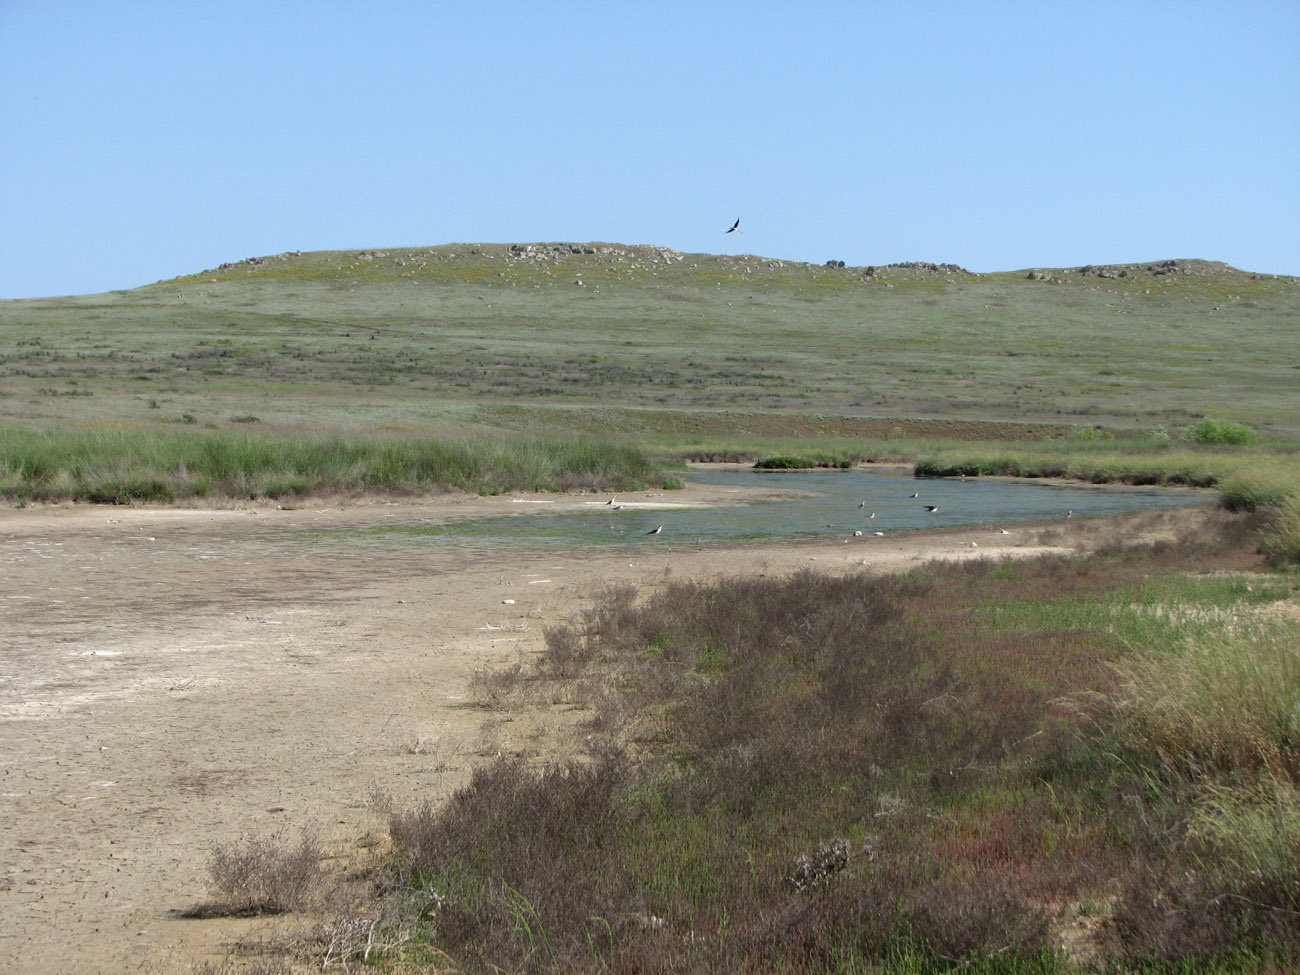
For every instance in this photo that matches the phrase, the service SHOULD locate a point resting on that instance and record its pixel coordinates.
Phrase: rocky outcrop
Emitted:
(932, 268)
(1093, 271)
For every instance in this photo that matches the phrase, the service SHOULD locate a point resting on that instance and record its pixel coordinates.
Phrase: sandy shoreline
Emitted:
(171, 678)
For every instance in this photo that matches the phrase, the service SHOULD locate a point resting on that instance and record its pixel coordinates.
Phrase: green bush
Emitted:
(791, 463)
(1219, 432)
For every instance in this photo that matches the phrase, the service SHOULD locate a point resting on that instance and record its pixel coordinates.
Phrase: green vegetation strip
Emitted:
(120, 466)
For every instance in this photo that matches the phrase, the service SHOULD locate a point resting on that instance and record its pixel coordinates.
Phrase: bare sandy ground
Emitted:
(174, 678)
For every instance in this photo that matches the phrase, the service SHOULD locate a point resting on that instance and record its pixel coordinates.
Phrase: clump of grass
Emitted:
(1252, 834)
(1223, 705)
(1213, 726)
(1217, 878)
(262, 875)
(1281, 536)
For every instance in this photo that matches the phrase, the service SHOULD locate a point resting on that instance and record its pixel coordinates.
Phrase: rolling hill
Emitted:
(609, 336)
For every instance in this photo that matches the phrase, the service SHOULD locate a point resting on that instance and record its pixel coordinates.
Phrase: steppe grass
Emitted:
(1214, 728)
(351, 341)
(117, 465)
(1221, 704)
(871, 773)
(1282, 537)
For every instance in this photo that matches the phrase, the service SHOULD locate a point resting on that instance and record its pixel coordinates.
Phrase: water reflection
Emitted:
(831, 502)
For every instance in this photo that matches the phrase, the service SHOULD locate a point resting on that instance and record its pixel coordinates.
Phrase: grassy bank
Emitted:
(510, 448)
(1246, 478)
(119, 466)
(964, 768)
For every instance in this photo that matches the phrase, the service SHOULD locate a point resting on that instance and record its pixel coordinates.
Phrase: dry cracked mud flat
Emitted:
(171, 679)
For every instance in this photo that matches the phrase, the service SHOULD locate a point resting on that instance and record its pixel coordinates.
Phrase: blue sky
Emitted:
(145, 140)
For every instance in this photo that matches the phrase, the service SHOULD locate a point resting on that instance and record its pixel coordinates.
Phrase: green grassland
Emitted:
(434, 338)
(1103, 373)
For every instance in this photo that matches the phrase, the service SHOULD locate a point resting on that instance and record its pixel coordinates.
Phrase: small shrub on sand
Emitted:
(263, 874)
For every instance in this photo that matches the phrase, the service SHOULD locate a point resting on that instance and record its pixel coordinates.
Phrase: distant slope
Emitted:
(598, 263)
(415, 338)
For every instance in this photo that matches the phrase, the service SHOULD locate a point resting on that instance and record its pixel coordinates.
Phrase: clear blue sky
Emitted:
(142, 140)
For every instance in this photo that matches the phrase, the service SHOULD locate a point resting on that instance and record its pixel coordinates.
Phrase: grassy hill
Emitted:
(493, 367)
(430, 339)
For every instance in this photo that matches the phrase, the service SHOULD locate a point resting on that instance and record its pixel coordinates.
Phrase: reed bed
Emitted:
(120, 466)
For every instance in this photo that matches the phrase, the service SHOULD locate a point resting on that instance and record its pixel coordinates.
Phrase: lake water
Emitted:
(828, 504)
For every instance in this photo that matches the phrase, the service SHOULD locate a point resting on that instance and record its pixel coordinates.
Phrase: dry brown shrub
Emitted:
(263, 874)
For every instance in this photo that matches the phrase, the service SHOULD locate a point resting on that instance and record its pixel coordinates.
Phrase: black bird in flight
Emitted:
(734, 227)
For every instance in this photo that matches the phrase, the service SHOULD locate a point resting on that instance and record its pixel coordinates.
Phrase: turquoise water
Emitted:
(828, 505)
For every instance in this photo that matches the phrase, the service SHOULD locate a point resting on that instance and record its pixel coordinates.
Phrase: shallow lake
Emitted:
(829, 502)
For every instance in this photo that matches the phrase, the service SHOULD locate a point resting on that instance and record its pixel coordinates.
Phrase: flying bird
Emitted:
(734, 227)
(655, 531)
